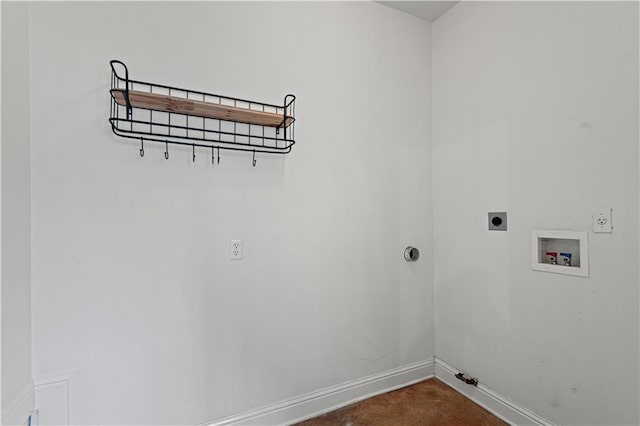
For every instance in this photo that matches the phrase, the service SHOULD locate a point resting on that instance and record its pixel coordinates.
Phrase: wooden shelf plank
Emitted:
(196, 108)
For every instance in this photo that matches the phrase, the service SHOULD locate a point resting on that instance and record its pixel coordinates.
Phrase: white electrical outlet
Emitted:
(602, 220)
(236, 249)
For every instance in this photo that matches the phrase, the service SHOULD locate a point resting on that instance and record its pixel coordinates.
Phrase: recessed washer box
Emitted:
(560, 252)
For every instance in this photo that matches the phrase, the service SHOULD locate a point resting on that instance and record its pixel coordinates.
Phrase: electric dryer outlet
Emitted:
(602, 220)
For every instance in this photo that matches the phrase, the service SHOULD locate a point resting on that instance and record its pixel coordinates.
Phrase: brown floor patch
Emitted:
(426, 403)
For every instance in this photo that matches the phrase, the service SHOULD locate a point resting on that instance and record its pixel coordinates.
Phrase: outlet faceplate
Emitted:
(235, 247)
(497, 221)
(602, 220)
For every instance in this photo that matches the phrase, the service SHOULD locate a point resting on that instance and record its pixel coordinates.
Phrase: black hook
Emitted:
(193, 147)
(213, 155)
(254, 158)
(218, 155)
(141, 147)
(166, 150)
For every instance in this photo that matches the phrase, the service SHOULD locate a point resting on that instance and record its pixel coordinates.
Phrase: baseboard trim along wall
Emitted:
(18, 410)
(55, 396)
(488, 398)
(329, 399)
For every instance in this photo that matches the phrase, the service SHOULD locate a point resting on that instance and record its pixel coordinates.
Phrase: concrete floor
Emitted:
(426, 403)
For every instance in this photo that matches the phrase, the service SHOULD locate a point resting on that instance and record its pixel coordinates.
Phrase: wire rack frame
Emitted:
(146, 111)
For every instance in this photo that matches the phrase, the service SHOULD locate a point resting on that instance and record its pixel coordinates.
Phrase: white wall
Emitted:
(17, 389)
(535, 112)
(132, 285)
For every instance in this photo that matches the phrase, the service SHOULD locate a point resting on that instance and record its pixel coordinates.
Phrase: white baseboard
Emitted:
(56, 397)
(329, 399)
(488, 398)
(18, 410)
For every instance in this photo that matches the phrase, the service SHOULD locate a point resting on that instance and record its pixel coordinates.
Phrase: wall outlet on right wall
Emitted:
(601, 219)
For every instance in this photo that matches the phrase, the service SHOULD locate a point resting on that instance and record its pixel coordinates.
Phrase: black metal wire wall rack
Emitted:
(159, 113)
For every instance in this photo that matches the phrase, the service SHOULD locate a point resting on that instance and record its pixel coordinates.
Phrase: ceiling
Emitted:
(427, 10)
